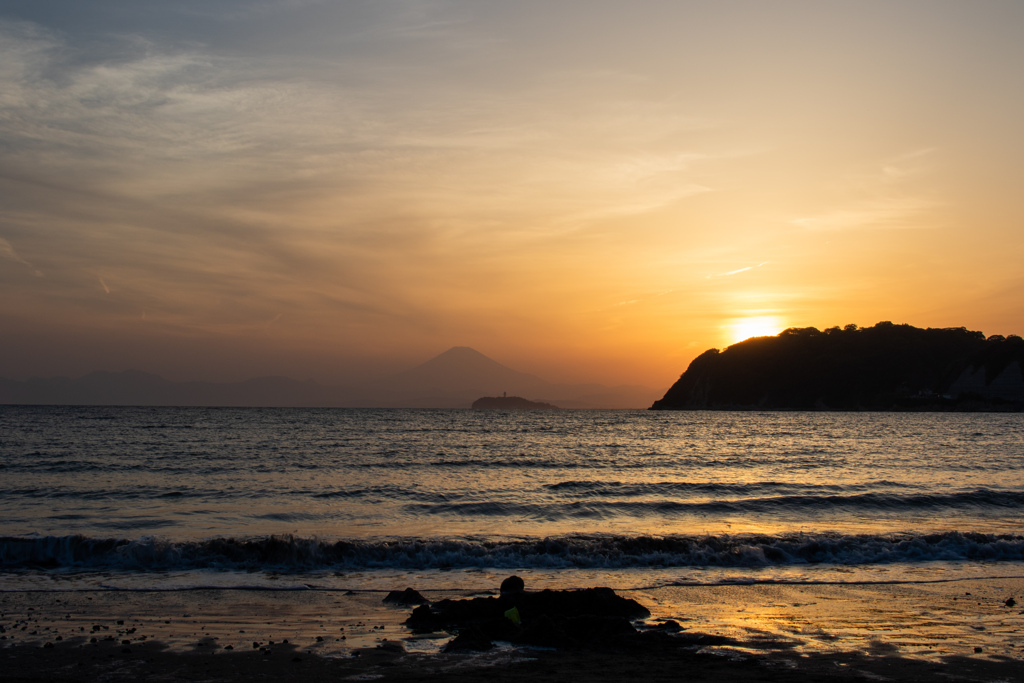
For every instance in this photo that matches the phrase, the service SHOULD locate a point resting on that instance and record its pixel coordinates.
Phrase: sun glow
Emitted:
(757, 326)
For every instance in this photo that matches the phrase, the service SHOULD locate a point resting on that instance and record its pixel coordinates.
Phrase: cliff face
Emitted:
(885, 367)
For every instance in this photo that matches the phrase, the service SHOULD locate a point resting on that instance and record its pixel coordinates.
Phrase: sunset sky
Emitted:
(584, 190)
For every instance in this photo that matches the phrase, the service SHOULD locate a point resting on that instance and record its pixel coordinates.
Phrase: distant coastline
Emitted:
(884, 368)
(452, 379)
(510, 403)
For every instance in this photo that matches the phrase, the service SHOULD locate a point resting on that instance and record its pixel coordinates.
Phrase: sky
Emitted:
(584, 190)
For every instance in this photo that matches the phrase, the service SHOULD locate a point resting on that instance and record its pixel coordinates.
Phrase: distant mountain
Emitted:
(135, 388)
(885, 367)
(454, 379)
(462, 369)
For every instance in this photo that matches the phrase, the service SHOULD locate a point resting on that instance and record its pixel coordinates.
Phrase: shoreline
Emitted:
(111, 663)
(963, 630)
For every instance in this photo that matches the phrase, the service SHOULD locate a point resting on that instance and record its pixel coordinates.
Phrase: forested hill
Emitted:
(885, 367)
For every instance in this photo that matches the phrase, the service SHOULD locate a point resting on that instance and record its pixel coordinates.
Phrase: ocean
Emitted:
(142, 498)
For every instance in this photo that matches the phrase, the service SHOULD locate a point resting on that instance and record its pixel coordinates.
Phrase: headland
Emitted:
(886, 367)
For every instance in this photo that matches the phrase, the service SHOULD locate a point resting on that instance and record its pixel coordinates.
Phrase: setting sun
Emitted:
(758, 326)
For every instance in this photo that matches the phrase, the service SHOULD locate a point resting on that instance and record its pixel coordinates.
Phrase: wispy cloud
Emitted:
(738, 270)
(906, 165)
(890, 197)
(872, 214)
(215, 174)
(8, 252)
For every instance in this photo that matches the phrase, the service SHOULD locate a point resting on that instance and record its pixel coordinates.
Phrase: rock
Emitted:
(512, 585)
(392, 646)
(588, 601)
(596, 602)
(592, 617)
(545, 631)
(669, 625)
(469, 640)
(1010, 602)
(406, 597)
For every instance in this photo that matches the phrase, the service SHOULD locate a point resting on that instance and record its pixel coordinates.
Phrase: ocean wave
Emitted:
(292, 554)
(619, 488)
(887, 502)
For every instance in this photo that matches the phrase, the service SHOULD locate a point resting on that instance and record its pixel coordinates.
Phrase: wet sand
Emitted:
(960, 630)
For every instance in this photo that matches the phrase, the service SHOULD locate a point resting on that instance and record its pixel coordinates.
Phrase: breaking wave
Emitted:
(291, 554)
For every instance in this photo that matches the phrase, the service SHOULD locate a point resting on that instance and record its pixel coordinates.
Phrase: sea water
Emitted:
(339, 499)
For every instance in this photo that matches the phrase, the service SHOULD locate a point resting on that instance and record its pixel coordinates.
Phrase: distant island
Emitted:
(885, 367)
(510, 403)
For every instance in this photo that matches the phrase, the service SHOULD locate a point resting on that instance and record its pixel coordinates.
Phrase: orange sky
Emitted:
(589, 191)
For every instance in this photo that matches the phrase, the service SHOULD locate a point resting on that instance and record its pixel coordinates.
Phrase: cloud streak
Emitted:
(875, 214)
(8, 252)
(739, 270)
(889, 199)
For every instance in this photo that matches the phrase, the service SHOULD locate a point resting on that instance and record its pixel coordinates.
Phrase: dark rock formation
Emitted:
(469, 640)
(564, 619)
(510, 403)
(406, 597)
(885, 367)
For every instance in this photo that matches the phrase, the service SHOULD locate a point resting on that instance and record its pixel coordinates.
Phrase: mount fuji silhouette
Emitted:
(460, 375)
(463, 371)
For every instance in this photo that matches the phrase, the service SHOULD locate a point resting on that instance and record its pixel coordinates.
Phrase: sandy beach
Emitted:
(958, 630)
